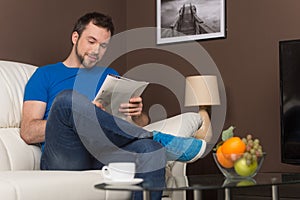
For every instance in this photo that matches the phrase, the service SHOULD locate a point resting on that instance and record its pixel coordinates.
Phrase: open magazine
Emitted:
(116, 90)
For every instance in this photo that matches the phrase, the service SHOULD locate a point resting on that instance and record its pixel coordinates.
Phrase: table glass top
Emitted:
(204, 182)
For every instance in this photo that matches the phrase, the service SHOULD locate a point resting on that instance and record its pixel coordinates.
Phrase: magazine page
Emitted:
(117, 90)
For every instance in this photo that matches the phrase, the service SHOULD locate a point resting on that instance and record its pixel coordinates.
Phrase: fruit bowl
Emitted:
(236, 166)
(238, 158)
(239, 182)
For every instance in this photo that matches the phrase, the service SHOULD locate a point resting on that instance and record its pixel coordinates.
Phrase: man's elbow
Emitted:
(25, 137)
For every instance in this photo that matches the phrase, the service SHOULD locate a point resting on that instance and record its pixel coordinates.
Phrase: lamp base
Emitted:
(205, 131)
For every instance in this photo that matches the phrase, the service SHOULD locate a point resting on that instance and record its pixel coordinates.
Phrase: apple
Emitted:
(246, 183)
(242, 169)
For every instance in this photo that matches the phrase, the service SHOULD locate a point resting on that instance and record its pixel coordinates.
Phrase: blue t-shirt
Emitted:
(48, 81)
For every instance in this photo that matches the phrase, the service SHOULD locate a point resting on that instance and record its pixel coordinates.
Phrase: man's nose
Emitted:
(96, 48)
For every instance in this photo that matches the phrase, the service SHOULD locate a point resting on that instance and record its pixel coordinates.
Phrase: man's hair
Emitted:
(97, 19)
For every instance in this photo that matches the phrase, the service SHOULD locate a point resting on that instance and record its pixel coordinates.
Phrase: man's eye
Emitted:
(103, 45)
(91, 41)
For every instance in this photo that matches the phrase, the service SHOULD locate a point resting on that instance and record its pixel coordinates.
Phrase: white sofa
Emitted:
(20, 177)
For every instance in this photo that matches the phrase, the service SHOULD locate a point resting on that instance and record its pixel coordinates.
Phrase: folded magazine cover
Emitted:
(117, 90)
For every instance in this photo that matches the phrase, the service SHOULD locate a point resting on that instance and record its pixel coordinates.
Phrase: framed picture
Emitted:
(186, 20)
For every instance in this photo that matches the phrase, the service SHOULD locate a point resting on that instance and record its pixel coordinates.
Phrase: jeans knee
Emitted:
(61, 107)
(63, 97)
(68, 98)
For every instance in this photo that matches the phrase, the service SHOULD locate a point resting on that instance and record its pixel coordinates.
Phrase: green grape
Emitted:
(248, 156)
(254, 158)
(250, 143)
(259, 148)
(253, 149)
(248, 148)
(249, 137)
(259, 152)
(244, 140)
(248, 162)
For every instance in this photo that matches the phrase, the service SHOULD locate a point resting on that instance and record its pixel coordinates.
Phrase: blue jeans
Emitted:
(80, 136)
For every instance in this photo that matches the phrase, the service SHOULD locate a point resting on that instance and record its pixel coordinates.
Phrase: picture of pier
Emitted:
(183, 20)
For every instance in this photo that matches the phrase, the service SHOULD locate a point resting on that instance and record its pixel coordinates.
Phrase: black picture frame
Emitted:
(179, 21)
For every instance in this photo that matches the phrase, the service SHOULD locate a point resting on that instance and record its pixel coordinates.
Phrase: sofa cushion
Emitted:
(14, 77)
(15, 154)
(183, 125)
(7, 190)
(56, 185)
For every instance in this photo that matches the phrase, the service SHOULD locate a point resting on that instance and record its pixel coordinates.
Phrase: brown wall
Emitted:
(38, 32)
(249, 65)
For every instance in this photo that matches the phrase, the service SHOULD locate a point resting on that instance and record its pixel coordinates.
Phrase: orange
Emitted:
(233, 148)
(224, 162)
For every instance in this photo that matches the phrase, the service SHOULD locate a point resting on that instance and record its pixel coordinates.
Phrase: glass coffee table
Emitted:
(199, 183)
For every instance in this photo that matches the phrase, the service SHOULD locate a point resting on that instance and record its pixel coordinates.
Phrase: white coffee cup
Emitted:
(119, 171)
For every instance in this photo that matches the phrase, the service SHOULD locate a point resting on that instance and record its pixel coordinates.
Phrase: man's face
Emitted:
(91, 45)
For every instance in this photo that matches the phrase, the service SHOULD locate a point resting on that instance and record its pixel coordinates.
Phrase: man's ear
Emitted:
(75, 37)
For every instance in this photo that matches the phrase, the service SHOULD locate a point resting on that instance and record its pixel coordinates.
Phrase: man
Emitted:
(76, 133)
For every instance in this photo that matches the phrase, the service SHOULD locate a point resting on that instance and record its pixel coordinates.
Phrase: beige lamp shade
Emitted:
(201, 91)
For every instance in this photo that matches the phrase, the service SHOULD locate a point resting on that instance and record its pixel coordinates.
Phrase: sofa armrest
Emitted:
(176, 168)
(183, 125)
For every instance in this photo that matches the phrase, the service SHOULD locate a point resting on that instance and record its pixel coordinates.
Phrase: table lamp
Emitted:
(202, 91)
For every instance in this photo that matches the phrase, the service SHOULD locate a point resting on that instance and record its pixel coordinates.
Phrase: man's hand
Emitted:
(134, 110)
(98, 104)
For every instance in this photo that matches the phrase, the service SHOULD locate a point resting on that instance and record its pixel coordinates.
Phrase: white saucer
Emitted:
(123, 182)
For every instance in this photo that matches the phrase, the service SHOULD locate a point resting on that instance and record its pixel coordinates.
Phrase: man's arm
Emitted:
(32, 125)
(141, 120)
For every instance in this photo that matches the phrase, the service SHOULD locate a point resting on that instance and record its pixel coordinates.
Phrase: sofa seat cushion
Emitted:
(58, 185)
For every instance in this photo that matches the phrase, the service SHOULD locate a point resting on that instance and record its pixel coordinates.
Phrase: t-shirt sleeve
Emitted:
(36, 87)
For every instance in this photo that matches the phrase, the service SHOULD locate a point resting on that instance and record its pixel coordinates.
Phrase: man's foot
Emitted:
(184, 149)
(204, 132)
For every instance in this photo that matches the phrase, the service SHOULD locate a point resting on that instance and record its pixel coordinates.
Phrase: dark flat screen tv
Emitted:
(289, 62)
